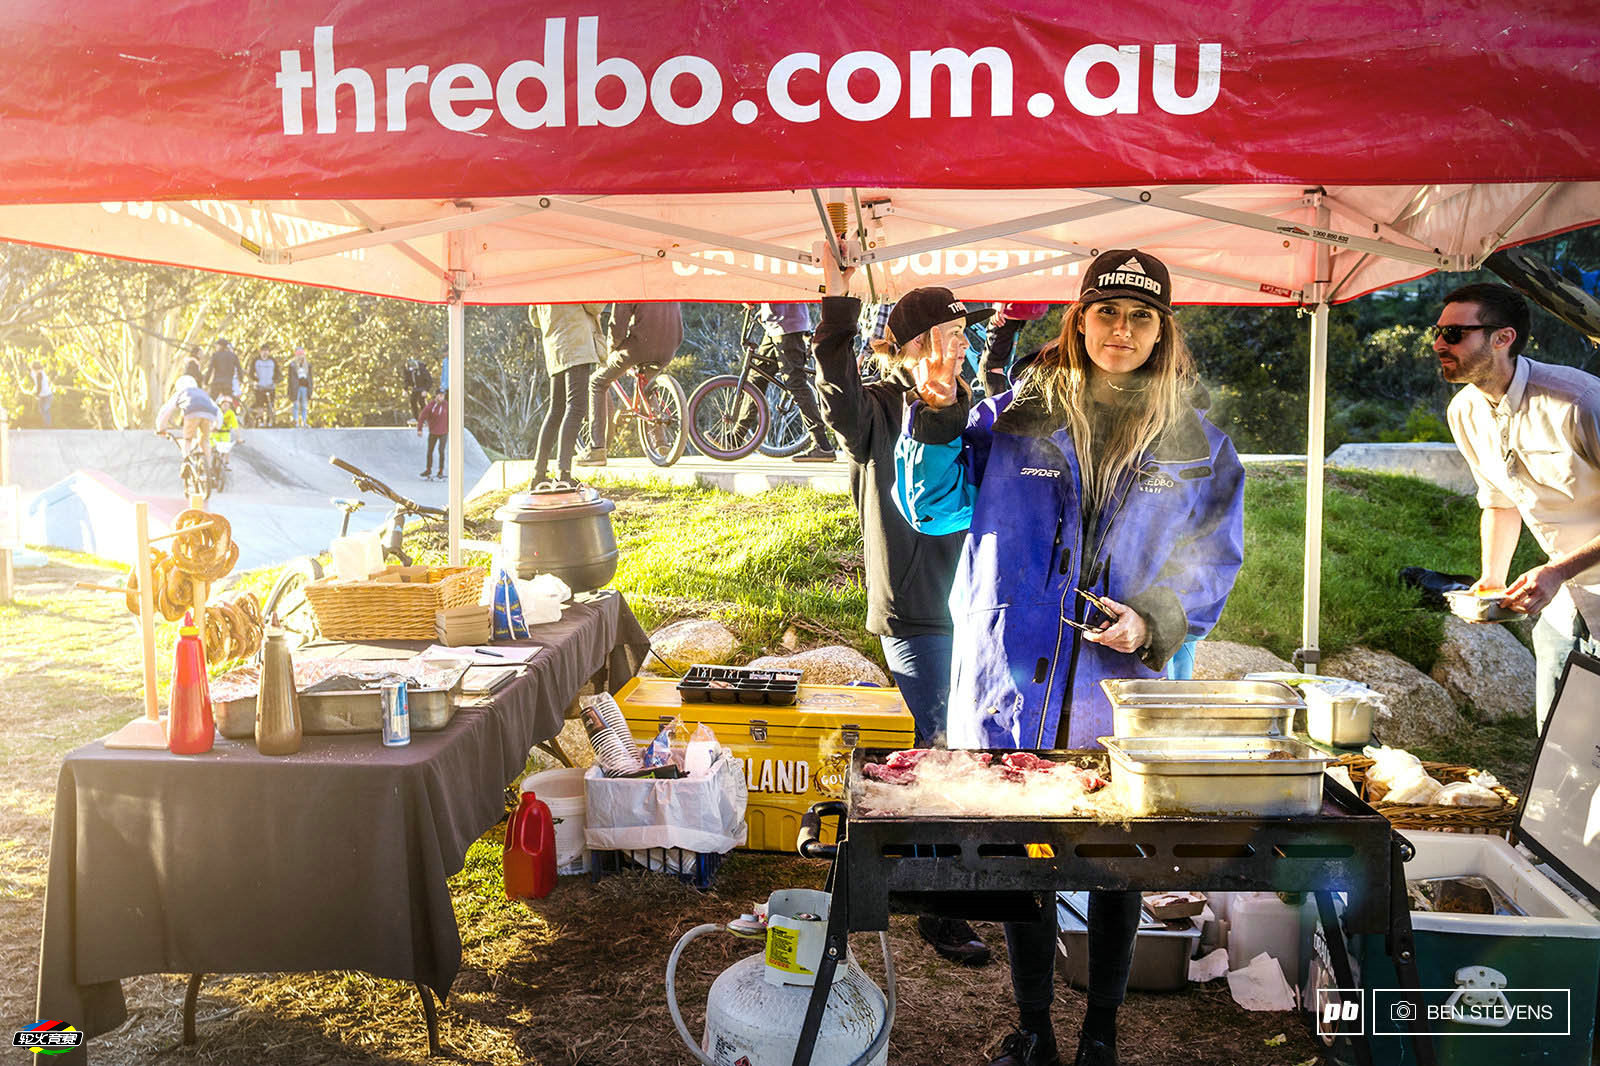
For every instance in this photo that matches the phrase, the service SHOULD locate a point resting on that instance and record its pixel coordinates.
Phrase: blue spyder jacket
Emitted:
(1007, 473)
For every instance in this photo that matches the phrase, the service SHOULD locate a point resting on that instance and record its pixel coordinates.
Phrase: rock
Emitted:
(694, 640)
(1417, 710)
(835, 665)
(1486, 668)
(1223, 660)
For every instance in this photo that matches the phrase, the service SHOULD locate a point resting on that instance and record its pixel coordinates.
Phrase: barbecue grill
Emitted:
(981, 867)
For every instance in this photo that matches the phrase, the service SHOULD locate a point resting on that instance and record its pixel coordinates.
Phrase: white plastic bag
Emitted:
(700, 814)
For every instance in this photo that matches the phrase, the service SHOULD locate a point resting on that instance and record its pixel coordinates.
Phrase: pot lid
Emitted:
(552, 494)
(1559, 816)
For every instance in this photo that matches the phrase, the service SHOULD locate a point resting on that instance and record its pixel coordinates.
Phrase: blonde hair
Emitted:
(890, 355)
(1060, 378)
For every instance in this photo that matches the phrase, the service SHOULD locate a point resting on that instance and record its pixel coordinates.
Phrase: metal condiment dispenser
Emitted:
(277, 703)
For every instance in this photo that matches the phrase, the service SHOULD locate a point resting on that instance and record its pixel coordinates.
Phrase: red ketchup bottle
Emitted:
(190, 726)
(528, 858)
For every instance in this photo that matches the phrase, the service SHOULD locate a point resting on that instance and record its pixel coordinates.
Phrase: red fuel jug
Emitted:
(191, 729)
(528, 858)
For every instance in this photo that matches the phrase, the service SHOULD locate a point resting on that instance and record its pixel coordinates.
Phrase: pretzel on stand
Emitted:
(233, 628)
(202, 544)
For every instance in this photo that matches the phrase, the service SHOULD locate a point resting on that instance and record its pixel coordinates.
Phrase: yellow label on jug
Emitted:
(783, 945)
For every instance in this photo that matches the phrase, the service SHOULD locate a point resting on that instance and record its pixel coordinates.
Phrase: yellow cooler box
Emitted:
(793, 756)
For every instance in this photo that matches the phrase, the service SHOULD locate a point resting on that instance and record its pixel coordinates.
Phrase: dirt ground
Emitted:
(577, 978)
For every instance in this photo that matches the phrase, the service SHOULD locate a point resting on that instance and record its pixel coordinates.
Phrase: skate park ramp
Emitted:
(79, 486)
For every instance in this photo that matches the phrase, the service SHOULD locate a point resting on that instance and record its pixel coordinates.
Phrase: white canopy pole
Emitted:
(458, 389)
(1311, 590)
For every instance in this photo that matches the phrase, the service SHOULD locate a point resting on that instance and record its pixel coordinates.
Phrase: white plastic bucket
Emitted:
(562, 791)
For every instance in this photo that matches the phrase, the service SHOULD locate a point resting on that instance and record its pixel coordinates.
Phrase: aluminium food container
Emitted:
(1158, 707)
(1260, 776)
(356, 711)
(1340, 715)
(1464, 603)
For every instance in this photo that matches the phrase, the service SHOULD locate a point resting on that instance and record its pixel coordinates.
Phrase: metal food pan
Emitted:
(1264, 776)
(358, 711)
(1157, 707)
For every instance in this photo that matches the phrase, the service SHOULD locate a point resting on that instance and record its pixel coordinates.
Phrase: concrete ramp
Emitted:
(80, 485)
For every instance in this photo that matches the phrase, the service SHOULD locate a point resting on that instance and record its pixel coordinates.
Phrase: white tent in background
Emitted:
(1271, 154)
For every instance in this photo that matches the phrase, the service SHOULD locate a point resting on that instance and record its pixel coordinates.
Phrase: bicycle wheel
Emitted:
(219, 473)
(288, 602)
(195, 482)
(786, 434)
(726, 422)
(660, 424)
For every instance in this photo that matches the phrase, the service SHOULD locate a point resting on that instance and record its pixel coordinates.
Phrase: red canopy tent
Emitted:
(1272, 153)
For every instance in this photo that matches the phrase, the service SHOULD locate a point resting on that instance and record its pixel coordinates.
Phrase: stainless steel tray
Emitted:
(1272, 776)
(1156, 707)
(328, 713)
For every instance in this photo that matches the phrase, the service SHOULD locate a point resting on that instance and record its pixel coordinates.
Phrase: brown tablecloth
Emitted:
(332, 858)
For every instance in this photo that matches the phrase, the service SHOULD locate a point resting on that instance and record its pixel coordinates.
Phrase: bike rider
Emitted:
(226, 433)
(416, 379)
(645, 334)
(199, 413)
(265, 372)
(786, 327)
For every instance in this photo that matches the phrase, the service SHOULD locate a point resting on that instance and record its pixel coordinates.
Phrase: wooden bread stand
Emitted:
(149, 732)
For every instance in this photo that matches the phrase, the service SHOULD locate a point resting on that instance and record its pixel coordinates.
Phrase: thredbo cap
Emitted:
(1128, 272)
(920, 310)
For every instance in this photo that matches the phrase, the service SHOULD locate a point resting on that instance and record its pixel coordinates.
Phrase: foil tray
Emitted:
(430, 698)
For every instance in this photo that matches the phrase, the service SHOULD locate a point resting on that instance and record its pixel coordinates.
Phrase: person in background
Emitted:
(1530, 433)
(222, 375)
(299, 378)
(264, 374)
(227, 424)
(785, 327)
(42, 391)
(435, 417)
(646, 334)
(1105, 524)
(996, 362)
(908, 574)
(415, 377)
(572, 346)
(199, 413)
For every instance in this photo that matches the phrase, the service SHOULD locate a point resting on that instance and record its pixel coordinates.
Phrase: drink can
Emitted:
(396, 714)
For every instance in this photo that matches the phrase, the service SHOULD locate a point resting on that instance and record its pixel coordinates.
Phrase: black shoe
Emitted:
(954, 939)
(816, 455)
(423, 475)
(1024, 1048)
(1092, 1052)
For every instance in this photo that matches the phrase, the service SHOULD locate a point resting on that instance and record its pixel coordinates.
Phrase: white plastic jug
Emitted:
(350, 559)
(1260, 921)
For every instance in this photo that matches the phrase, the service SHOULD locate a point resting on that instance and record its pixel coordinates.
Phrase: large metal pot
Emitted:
(563, 530)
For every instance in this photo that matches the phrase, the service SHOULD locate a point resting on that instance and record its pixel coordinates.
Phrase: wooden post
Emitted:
(5, 479)
(145, 732)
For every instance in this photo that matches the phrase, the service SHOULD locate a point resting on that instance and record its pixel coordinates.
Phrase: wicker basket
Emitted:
(396, 603)
(1496, 820)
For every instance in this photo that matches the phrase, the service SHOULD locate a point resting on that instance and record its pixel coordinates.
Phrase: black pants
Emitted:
(1113, 924)
(599, 412)
(563, 417)
(419, 400)
(435, 439)
(790, 353)
(997, 356)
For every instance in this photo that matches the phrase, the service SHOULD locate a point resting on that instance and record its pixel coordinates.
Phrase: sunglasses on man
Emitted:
(1454, 334)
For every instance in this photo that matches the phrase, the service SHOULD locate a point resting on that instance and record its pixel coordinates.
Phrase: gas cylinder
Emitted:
(757, 1007)
(528, 857)
(191, 728)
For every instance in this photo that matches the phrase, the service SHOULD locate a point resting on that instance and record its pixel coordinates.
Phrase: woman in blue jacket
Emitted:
(1093, 475)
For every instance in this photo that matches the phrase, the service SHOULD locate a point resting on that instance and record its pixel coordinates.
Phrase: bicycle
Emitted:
(219, 464)
(286, 604)
(656, 404)
(194, 472)
(729, 417)
(258, 412)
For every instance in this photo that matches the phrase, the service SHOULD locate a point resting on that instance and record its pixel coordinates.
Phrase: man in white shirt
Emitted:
(43, 394)
(1530, 432)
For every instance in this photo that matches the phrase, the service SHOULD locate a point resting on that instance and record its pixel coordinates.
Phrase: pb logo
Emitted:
(1339, 1012)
